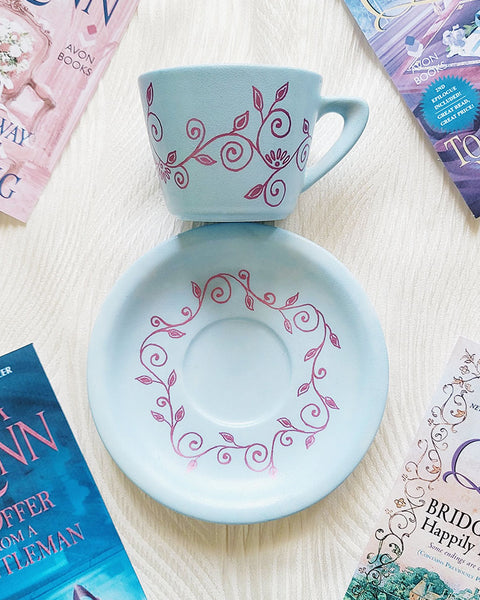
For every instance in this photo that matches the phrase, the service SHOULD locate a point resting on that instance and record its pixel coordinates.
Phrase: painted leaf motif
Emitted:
(306, 126)
(272, 471)
(192, 465)
(228, 437)
(241, 121)
(197, 292)
(435, 469)
(157, 416)
(310, 354)
(172, 157)
(179, 414)
(292, 300)
(145, 379)
(284, 422)
(249, 302)
(172, 378)
(288, 326)
(150, 94)
(309, 441)
(334, 340)
(175, 333)
(303, 388)
(281, 92)
(254, 192)
(330, 402)
(257, 99)
(205, 159)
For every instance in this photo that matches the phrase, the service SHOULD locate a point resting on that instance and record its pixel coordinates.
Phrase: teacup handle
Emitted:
(355, 115)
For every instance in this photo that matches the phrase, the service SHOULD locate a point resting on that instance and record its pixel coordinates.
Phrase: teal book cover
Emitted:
(57, 540)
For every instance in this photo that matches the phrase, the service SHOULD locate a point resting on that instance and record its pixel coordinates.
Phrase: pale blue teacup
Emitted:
(231, 142)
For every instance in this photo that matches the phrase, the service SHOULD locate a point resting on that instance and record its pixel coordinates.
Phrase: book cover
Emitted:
(426, 545)
(431, 50)
(52, 55)
(57, 540)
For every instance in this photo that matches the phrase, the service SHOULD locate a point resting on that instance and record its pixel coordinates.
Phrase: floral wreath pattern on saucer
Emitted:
(298, 318)
(237, 150)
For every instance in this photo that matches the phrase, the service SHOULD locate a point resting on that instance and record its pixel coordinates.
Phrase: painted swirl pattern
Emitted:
(236, 149)
(297, 318)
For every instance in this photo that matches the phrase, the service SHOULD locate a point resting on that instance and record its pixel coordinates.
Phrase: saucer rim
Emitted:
(311, 251)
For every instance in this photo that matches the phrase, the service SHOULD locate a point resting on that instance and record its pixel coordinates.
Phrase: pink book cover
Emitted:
(426, 544)
(52, 55)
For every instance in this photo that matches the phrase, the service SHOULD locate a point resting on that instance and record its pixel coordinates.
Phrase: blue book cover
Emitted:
(57, 540)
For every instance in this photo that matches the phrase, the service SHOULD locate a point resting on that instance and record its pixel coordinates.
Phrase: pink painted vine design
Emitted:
(312, 418)
(236, 148)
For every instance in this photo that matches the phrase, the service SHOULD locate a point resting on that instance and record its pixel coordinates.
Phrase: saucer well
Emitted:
(237, 373)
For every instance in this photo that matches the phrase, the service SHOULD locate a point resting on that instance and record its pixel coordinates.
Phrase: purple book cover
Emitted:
(431, 50)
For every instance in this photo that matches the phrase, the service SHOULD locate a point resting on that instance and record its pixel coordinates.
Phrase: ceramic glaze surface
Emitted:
(241, 355)
(247, 129)
(237, 373)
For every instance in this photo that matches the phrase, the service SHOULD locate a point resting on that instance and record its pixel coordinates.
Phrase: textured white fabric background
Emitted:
(388, 211)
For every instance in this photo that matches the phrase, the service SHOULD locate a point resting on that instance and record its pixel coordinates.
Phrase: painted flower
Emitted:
(16, 44)
(164, 171)
(277, 159)
(22, 66)
(15, 51)
(4, 26)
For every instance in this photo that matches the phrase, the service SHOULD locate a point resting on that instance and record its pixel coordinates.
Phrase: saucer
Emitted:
(237, 373)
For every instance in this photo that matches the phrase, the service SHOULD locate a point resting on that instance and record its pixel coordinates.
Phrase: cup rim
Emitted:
(227, 67)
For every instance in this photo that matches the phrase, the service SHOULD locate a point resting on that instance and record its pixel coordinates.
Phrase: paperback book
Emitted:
(426, 545)
(431, 50)
(52, 55)
(57, 541)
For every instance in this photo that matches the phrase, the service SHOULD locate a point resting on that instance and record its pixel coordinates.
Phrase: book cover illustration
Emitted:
(52, 55)
(431, 50)
(426, 545)
(57, 540)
